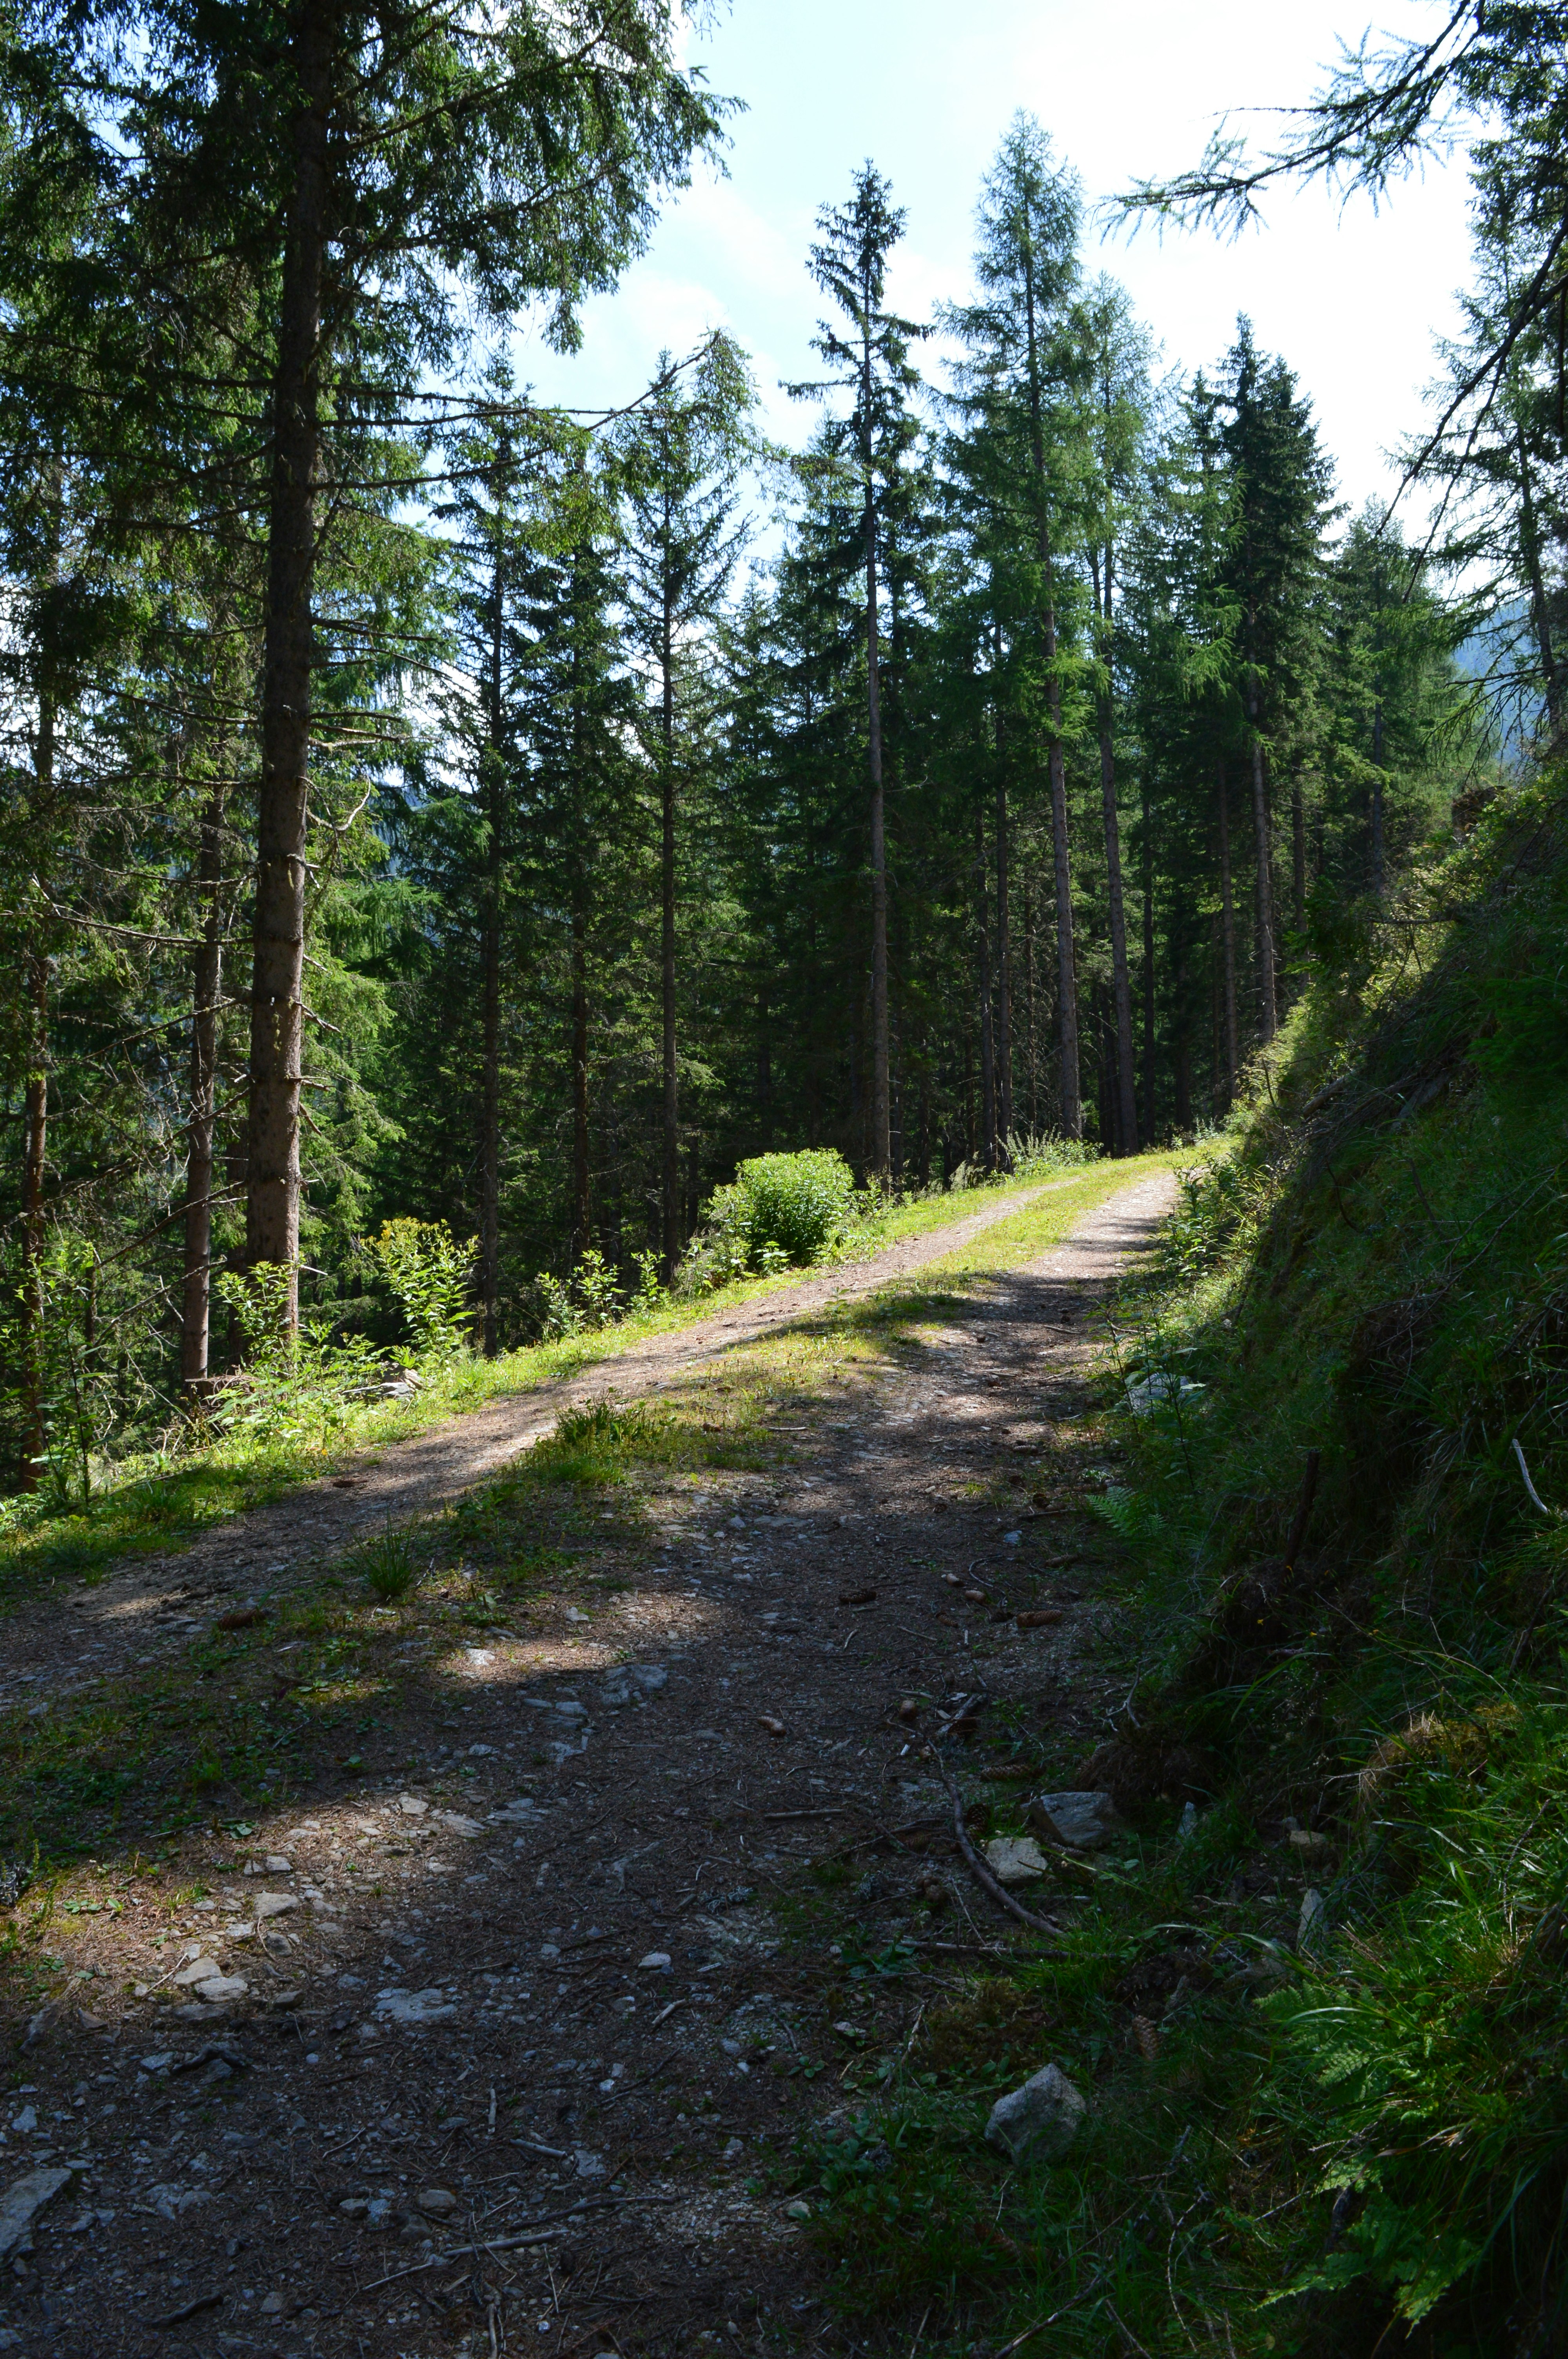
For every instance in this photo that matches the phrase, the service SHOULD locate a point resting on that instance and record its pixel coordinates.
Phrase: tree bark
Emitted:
(206, 989)
(1298, 848)
(671, 1117)
(881, 1100)
(581, 1206)
(1268, 1014)
(1149, 1106)
(1004, 993)
(35, 1159)
(1376, 801)
(1530, 543)
(1227, 918)
(1066, 975)
(490, 1085)
(272, 1211)
(1126, 1098)
(988, 1051)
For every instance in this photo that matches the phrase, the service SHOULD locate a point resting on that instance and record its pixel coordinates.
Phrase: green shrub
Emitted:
(796, 1205)
(430, 1272)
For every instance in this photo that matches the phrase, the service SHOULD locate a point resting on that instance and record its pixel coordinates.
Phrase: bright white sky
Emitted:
(1126, 88)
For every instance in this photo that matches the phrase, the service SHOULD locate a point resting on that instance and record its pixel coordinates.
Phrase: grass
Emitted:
(1324, 2037)
(149, 1504)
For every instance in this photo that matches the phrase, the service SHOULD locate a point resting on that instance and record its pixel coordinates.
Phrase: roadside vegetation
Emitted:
(1315, 1996)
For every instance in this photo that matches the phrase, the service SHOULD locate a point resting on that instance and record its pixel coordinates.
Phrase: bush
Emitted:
(430, 1272)
(798, 1205)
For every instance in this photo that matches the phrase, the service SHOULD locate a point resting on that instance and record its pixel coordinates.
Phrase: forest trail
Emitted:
(156, 1602)
(511, 2040)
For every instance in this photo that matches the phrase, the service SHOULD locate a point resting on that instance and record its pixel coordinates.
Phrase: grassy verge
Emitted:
(1323, 2033)
(152, 1504)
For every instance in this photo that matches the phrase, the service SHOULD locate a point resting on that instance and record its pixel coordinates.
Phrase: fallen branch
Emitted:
(543, 2233)
(975, 1864)
(1555, 1512)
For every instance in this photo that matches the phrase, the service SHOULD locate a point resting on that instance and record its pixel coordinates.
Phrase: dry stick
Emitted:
(537, 2235)
(975, 1864)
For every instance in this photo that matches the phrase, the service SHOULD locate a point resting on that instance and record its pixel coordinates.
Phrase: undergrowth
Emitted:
(1318, 2002)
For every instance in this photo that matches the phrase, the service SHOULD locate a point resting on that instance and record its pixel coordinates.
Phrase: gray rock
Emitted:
(1044, 2114)
(1015, 1859)
(23, 2200)
(632, 1683)
(199, 1970)
(1084, 1822)
(274, 1904)
(438, 2202)
(467, 1828)
(218, 1990)
(415, 2006)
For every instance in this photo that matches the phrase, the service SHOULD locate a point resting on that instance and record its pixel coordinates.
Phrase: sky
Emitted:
(1352, 299)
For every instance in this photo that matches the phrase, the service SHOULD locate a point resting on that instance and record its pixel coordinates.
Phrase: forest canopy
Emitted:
(422, 804)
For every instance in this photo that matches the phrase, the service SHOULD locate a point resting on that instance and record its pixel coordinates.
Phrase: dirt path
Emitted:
(515, 2033)
(156, 1602)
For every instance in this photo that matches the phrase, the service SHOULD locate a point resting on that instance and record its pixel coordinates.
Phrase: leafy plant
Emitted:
(431, 1275)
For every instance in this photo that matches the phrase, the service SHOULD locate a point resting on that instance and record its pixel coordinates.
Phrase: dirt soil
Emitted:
(509, 2051)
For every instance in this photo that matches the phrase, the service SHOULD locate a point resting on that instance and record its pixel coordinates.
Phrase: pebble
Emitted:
(439, 2203)
(658, 1962)
(415, 2006)
(411, 1806)
(273, 1903)
(278, 1865)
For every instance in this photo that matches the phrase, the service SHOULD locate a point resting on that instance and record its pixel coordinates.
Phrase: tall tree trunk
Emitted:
(1030, 1064)
(1004, 993)
(35, 1159)
(1268, 1014)
(1126, 1099)
(206, 989)
(489, 1086)
(1541, 613)
(272, 1211)
(1376, 801)
(1228, 920)
(983, 960)
(581, 1206)
(671, 1119)
(1298, 849)
(1067, 973)
(1148, 849)
(881, 1098)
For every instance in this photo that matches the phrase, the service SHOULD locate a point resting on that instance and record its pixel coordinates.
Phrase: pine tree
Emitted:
(870, 359)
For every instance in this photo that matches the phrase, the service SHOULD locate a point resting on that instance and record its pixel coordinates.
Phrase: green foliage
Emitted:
(1375, 1270)
(431, 1276)
(589, 1300)
(798, 1205)
(389, 1565)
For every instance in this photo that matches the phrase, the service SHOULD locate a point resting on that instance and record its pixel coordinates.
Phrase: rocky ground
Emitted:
(502, 2042)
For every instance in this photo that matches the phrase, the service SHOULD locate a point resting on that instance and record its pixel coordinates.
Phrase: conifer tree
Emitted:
(870, 358)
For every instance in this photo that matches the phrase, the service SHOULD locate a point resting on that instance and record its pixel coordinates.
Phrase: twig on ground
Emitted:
(975, 1864)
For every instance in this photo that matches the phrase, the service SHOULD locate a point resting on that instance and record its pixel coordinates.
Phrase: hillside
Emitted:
(1374, 1293)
